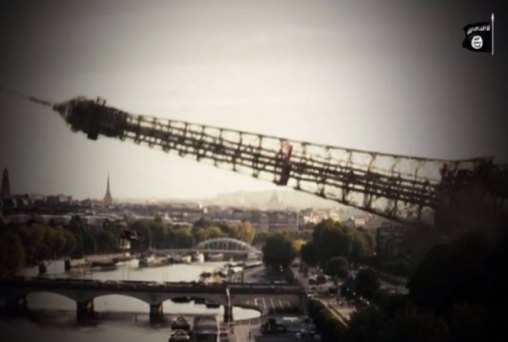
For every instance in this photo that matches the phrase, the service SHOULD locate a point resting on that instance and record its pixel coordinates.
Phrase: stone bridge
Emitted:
(83, 292)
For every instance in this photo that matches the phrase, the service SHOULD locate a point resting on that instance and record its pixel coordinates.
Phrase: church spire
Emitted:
(108, 199)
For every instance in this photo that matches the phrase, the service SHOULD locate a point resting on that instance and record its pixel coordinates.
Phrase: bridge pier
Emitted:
(156, 313)
(84, 310)
(228, 307)
(16, 304)
(228, 313)
(42, 268)
(303, 303)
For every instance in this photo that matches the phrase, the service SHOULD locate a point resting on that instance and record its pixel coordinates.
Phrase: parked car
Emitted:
(180, 323)
(179, 336)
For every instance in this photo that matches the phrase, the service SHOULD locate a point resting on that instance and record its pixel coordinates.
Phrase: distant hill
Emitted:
(271, 200)
(268, 199)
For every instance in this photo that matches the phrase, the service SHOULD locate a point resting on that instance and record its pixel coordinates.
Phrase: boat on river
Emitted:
(153, 261)
(211, 304)
(104, 265)
(198, 257)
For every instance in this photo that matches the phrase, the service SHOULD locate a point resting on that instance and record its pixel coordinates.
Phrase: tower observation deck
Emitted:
(402, 188)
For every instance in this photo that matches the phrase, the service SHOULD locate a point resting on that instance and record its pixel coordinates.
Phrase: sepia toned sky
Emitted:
(387, 76)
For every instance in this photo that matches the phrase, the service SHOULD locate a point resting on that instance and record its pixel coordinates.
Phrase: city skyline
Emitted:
(321, 72)
(247, 199)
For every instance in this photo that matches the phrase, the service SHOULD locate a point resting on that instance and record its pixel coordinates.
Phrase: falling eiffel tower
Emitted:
(402, 188)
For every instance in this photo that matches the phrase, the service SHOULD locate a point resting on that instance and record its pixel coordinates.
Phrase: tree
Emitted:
(326, 321)
(106, 241)
(365, 324)
(366, 283)
(89, 242)
(278, 251)
(70, 244)
(331, 240)
(143, 228)
(13, 254)
(362, 244)
(307, 253)
(213, 232)
(245, 232)
(183, 238)
(458, 272)
(469, 323)
(412, 324)
(298, 245)
(337, 267)
(202, 223)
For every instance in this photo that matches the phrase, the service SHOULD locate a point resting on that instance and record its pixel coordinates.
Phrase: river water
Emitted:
(53, 318)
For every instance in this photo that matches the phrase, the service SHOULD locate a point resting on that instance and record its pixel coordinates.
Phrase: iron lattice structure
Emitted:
(401, 188)
(227, 244)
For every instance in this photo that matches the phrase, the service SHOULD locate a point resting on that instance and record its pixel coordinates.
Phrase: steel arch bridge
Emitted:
(227, 244)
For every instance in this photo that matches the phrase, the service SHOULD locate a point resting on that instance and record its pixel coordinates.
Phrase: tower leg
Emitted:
(303, 304)
(156, 314)
(16, 304)
(84, 310)
(228, 313)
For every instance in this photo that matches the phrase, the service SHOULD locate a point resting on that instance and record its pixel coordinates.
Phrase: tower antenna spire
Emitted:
(25, 97)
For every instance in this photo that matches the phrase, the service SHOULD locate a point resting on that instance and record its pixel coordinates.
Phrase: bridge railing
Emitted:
(135, 285)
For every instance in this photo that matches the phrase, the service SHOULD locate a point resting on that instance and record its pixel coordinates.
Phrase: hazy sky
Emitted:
(388, 76)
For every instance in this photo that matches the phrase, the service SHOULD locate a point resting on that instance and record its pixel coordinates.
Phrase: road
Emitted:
(250, 275)
(340, 306)
(400, 289)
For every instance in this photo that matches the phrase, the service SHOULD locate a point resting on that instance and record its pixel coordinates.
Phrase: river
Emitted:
(52, 317)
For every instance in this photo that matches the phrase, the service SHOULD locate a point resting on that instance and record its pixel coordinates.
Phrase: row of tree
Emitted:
(332, 246)
(29, 244)
(279, 250)
(330, 239)
(24, 245)
(456, 293)
(157, 234)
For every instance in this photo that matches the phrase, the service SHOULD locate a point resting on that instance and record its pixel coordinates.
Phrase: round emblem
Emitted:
(477, 42)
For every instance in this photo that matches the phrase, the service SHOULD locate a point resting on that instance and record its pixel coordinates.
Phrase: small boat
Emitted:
(145, 261)
(181, 300)
(187, 259)
(211, 304)
(154, 261)
(103, 266)
(223, 272)
(122, 259)
(215, 257)
(198, 257)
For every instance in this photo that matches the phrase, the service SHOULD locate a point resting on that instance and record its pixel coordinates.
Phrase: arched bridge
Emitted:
(227, 244)
(15, 290)
(224, 245)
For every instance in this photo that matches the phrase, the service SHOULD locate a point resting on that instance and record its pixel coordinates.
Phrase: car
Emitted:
(180, 323)
(179, 336)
